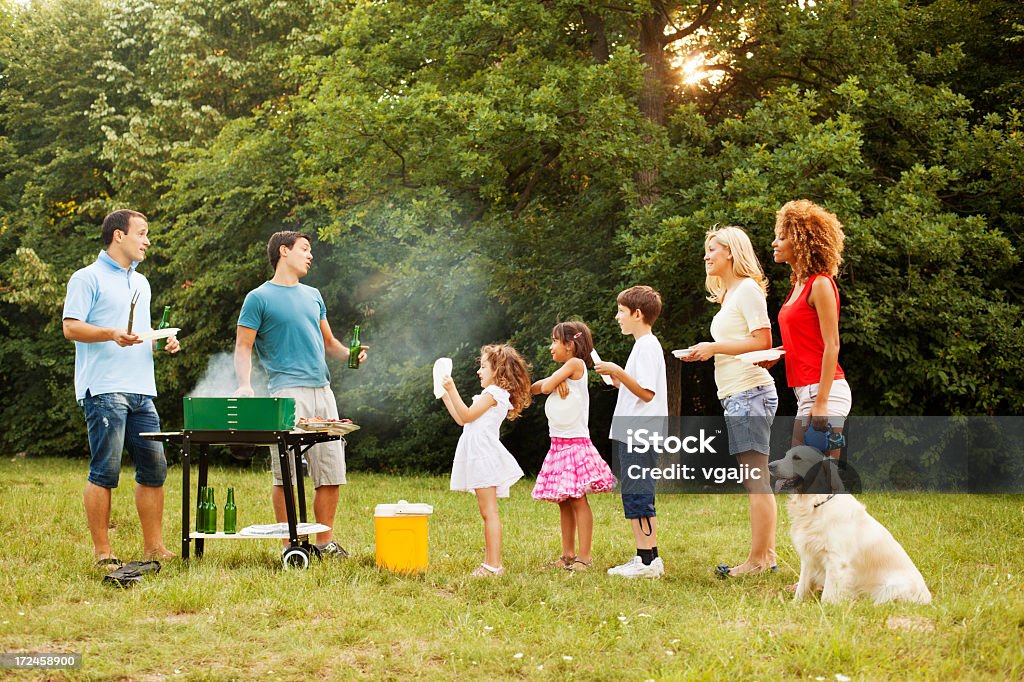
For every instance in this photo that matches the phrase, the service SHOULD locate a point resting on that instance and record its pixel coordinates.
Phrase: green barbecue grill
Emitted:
(247, 421)
(239, 414)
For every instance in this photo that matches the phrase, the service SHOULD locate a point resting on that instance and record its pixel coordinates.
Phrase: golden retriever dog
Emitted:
(843, 550)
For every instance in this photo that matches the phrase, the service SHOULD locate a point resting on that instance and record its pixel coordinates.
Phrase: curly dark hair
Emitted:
(817, 238)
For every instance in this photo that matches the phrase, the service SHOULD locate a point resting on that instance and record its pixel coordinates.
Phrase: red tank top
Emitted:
(801, 337)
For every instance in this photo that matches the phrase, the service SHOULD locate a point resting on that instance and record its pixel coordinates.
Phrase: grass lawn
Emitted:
(236, 614)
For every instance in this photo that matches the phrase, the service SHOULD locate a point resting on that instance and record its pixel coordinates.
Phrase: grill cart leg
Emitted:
(289, 491)
(300, 484)
(186, 524)
(204, 449)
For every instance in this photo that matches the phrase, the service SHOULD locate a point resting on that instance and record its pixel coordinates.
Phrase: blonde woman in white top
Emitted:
(736, 282)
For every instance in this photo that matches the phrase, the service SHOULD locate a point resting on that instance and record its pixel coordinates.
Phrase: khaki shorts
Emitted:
(840, 401)
(326, 460)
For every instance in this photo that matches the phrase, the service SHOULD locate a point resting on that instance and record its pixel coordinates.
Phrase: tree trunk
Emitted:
(652, 96)
(594, 24)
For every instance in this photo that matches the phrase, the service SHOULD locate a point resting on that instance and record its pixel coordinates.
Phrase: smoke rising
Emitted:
(218, 381)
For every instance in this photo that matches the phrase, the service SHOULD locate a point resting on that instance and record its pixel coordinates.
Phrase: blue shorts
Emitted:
(748, 418)
(115, 421)
(637, 490)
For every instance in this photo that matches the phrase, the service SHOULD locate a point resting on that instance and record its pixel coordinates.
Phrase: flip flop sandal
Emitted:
(563, 561)
(722, 571)
(131, 573)
(110, 563)
(123, 577)
(579, 565)
(485, 571)
(144, 567)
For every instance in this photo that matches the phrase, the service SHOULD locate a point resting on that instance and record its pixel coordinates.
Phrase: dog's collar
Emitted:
(818, 504)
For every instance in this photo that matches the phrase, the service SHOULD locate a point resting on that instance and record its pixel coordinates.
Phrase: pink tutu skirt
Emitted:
(572, 468)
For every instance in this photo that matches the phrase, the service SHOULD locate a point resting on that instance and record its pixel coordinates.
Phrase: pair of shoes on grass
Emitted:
(636, 568)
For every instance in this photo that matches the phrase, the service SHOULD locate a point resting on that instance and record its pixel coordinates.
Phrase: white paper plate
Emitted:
(762, 355)
(164, 333)
(442, 369)
(682, 352)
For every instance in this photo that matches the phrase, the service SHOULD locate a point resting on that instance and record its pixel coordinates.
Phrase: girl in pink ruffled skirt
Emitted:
(573, 467)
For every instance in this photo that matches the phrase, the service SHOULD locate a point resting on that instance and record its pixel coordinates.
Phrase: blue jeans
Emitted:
(115, 421)
(748, 418)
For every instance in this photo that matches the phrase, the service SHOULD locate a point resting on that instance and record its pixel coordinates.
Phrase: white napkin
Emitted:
(597, 358)
(442, 369)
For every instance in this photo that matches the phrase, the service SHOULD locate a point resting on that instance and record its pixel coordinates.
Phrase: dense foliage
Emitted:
(476, 171)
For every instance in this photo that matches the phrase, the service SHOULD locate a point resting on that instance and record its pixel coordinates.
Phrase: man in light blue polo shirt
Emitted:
(287, 323)
(114, 381)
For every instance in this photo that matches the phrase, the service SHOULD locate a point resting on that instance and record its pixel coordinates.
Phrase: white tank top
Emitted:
(579, 428)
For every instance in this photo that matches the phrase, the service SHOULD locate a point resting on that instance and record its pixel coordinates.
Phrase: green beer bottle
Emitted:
(230, 513)
(354, 349)
(206, 510)
(212, 527)
(201, 510)
(165, 322)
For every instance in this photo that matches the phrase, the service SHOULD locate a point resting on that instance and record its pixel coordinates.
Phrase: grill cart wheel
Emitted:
(295, 557)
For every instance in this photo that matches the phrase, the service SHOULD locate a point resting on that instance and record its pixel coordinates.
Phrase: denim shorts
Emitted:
(748, 418)
(637, 493)
(115, 421)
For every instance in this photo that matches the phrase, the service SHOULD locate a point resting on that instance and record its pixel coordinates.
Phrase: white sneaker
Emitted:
(618, 570)
(637, 569)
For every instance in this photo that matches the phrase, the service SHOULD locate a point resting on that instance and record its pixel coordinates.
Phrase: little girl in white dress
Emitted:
(482, 464)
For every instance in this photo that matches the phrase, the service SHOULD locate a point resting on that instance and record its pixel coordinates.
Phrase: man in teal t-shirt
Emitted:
(287, 323)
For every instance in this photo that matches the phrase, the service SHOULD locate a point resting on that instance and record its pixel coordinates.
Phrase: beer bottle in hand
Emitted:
(354, 349)
(165, 322)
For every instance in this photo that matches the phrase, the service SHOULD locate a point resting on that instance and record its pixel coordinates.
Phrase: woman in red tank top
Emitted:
(810, 240)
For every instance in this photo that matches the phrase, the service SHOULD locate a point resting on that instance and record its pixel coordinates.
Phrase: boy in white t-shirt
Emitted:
(642, 403)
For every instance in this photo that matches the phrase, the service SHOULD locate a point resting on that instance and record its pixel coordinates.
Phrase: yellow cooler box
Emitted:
(401, 536)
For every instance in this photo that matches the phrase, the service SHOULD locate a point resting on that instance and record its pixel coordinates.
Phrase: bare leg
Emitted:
(487, 499)
(799, 428)
(763, 516)
(585, 527)
(149, 502)
(568, 520)
(97, 515)
(325, 506)
(643, 540)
